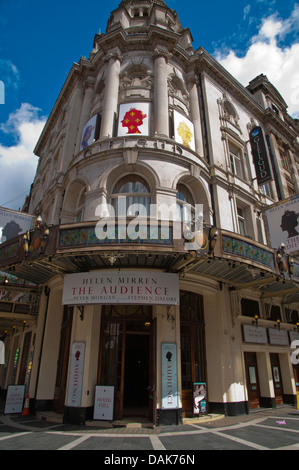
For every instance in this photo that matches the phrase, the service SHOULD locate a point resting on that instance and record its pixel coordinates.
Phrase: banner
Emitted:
(169, 376)
(133, 119)
(183, 131)
(260, 156)
(90, 132)
(76, 375)
(121, 287)
(283, 224)
(14, 223)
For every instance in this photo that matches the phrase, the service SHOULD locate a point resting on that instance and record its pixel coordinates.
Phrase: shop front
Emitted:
(132, 335)
(268, 367)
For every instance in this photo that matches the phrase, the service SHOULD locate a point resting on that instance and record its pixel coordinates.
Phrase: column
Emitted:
(161, 94)
(195, 114)
(111, 94)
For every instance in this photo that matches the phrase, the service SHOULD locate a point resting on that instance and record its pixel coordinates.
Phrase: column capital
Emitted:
(114, 54)
(159, 52)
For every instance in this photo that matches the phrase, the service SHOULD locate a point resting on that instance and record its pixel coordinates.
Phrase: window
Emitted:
(266, 189)
(80, 207)
(136, 191)
(235, 160)
(241, 221)
(184, 201)
(250, 308)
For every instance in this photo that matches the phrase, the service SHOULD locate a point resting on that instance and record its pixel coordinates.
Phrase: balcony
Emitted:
(226, 257)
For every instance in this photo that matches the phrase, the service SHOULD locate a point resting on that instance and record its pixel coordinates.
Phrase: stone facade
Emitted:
(190, 143)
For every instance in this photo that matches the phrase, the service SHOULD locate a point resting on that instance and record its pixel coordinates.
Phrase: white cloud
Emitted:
(18, 162)
(265, 55)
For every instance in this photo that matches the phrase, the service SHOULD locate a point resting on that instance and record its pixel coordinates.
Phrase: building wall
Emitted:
(159, 67)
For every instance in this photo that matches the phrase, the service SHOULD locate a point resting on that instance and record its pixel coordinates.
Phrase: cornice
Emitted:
(79, 73)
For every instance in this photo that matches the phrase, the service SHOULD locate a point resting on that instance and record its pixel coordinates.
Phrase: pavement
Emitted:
(275, 429)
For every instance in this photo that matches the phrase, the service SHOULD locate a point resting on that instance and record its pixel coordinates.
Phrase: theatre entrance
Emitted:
(127, 359)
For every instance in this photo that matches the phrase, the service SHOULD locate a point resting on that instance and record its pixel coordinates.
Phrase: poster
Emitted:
(76, 375)
(14, 399)
(14, 223)
(199, 398)
(133, 119)
(103, 403)
(169, 376)
(283, 224)
(90, 132)
(183, 131)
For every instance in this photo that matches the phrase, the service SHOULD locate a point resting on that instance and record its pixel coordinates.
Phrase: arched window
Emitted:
(185, 201)
(136, 191)
(80, 207)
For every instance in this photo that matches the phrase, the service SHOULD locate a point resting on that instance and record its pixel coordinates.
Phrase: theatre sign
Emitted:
(121, 287)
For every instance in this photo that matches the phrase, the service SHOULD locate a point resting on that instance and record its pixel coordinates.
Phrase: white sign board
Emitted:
(76, 375)
(14, 399)
(13, 223)
(121, 287)
(283, 224)
(103, 403)
(2, 353)
(169, 376)
(279, 337)
(255, 334)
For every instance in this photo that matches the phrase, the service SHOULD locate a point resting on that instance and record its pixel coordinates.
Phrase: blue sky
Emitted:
(39, 42)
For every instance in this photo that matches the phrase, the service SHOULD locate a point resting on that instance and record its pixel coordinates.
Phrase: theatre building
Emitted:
(151, 267)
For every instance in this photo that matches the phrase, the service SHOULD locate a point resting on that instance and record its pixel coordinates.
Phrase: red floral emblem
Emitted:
(132, 120)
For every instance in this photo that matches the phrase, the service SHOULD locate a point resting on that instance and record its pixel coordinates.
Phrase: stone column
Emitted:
(195, 114)
(111, 94)
(161, 93)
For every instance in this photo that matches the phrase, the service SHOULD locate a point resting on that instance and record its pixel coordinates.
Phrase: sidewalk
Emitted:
(132, 426)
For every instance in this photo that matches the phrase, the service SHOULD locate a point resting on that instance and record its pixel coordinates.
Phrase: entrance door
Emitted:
(136, 375)
(62, 364)
(296, 376)
(275, 366)
(125, 358)
(252, 379)
(193, 356)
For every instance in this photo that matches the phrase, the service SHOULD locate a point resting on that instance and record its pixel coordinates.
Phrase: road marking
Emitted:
(156, 443)
(240, 441)
(11, 436)
(74, 443)
(277, 428)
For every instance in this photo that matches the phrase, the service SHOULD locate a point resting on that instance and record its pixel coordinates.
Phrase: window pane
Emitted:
(131, 184)
(183, 194)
